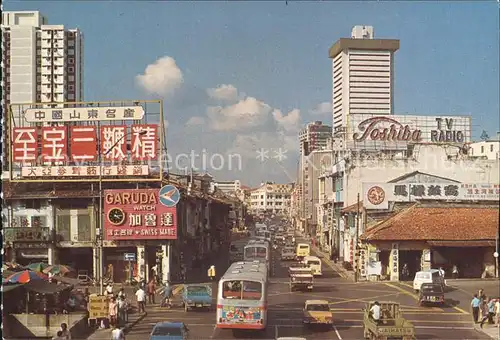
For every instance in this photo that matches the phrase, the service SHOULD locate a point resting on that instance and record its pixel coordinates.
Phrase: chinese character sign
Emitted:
(137, 214)
(54, 144)
(114, 142)
(83, 143)
(144, 142)
(24, 145)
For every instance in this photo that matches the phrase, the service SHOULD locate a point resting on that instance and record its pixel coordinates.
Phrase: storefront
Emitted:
(428, 236)
(31, 252)
(78, 258)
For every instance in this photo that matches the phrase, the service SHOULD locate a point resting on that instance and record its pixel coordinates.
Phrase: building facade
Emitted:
(489, 148)
(362, 75)
(271, 198)
(228, 186)
(314, 136)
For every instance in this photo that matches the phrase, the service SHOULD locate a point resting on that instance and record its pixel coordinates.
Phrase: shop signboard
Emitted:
(378, 195)
(50, 143)
(371, 131)
(138, 214)
(98, 307)
(26, 234)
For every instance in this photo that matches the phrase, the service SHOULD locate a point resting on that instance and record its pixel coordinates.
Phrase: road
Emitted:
(346, 301)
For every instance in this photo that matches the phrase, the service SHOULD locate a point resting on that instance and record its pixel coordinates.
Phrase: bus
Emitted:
(242, 297)
(258, 250)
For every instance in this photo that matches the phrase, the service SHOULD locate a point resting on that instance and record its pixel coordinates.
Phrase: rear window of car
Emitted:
(303, 246)
(167, 331)
(432, 288)
(423, 276)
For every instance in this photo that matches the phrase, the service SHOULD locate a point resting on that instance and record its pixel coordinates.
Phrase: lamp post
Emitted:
(101, 208)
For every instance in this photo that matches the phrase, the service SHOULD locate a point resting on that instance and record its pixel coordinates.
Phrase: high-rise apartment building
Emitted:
(40, 63)
(314, 136)
(363, 75)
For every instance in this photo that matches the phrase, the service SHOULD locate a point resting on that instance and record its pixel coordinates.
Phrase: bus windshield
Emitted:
(255, 253)
(242, 290)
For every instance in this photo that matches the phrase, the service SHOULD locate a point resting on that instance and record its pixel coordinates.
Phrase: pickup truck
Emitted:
(392, 324)
(197, 296)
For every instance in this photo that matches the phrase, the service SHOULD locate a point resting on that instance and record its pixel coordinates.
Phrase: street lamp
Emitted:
(101, 212)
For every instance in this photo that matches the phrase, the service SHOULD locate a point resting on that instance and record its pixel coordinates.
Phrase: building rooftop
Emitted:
(438, 224)
(363, 44)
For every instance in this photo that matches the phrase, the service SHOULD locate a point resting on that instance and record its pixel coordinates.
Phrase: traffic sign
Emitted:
(169, 196)
(129, 256)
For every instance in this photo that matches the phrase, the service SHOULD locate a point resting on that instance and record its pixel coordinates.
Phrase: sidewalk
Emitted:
(346, 274)
(490, 330)
(105, 334)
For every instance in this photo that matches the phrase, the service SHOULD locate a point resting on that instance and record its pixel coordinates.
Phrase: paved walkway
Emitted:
(105, 334)
(346, 274)
(490, 330)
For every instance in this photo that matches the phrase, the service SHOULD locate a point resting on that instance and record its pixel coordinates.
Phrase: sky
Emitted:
(240, 77)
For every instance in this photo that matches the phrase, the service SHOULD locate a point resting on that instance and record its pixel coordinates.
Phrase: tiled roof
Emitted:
(424, 223)
(353, 208)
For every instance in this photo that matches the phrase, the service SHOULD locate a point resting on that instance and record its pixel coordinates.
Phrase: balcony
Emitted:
(35, 234)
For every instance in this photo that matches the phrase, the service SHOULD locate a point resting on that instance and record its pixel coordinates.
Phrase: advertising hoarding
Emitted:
(378, 195)
(138, 214)
(370, 131)
(83, 114)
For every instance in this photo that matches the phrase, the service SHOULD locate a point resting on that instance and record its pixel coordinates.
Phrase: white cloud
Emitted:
(162, 77)
(196, 120)
(224, 92)
(245, 114)
(322, 108)
(290, 122)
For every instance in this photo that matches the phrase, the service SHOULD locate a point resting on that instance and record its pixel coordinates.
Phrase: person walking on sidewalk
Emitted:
(122, 310)
(167, 295)
(117, 334)
(211, 273)
(475, 303)
(113, 312)
(141, 300)
(484, 310)
(151, 290)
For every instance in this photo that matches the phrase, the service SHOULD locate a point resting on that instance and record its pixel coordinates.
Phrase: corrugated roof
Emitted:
(424, 223)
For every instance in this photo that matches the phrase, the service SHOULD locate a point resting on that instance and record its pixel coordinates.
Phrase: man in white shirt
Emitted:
(375, 312)
(117, 334)
(141, 300)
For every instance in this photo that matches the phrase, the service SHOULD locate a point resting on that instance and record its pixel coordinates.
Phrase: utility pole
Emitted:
(356, 259)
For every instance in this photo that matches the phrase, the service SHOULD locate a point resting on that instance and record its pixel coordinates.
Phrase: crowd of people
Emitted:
(485, 308)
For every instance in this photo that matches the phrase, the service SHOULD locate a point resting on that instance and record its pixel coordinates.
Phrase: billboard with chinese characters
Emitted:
(138, 214)
(378, 195)
(86, 141)
(379, 132)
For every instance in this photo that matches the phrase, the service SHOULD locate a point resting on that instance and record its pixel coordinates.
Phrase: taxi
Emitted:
(317, 312)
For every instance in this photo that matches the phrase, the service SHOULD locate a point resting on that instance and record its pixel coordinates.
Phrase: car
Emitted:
(169, 331)
(431, 293)
(317, 312)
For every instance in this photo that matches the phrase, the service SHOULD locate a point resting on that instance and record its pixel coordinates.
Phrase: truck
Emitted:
(392, 324)
(301, 278)
(197, 296)
(288, 254)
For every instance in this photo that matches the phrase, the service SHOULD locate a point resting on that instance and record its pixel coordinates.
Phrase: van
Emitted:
(314, 263)
(303, 250)
(427, 276)
(236, 252)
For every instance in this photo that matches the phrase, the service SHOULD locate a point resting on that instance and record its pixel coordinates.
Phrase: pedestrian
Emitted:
(151, 290)
(484, 310)
(454, 272)
(122, 310)
(121, 293)
(167, 295)
(497, 311)
(66, 334)
(117, 334)
(141, 300)
(109, 289)
(441, 272)
(491, 311)
(375, 312)
(113, 312)
(211, 273)
(475, 303)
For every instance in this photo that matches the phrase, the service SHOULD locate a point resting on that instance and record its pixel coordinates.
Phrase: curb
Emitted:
(481, 331)
(343, 273)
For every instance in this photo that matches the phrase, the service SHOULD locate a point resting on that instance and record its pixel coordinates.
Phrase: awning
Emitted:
(45, 287)
(472, 243)
(67, 280)
(9, 287)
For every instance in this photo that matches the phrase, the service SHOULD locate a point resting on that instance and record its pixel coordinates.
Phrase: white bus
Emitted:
(242, 297)
(258, 250)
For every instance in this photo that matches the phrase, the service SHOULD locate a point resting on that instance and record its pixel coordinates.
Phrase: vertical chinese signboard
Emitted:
(66, 144)
(138, 214)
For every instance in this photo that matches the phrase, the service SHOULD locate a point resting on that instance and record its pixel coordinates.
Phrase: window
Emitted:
(318, 308)
(71, 69)
(168, 332)
(482, 149)
(491, 147)
(71, 87)
(71, 60)
(71, 78)
(84, 228)
(248, 290)
(63, 227)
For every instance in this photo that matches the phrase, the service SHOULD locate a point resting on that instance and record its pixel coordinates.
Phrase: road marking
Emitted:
(418, 321)
(404, 291)
(213, 332)
(406, 284)
(370, 298)
(276, 331)
(417, 327)
(337, 332)
(461, 310)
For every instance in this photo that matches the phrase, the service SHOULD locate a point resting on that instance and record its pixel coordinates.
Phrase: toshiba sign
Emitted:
(375, 130)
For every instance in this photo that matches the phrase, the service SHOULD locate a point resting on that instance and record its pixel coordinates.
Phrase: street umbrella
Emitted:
(26, 276)
(37, 267)
(7, 273)
(12, 265)
(58, 269)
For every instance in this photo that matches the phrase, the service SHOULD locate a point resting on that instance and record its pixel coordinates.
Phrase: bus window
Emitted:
(260, 253)
(252, 290)
(314, 262)
(303, 246)
(231, 290)
(233, 248)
